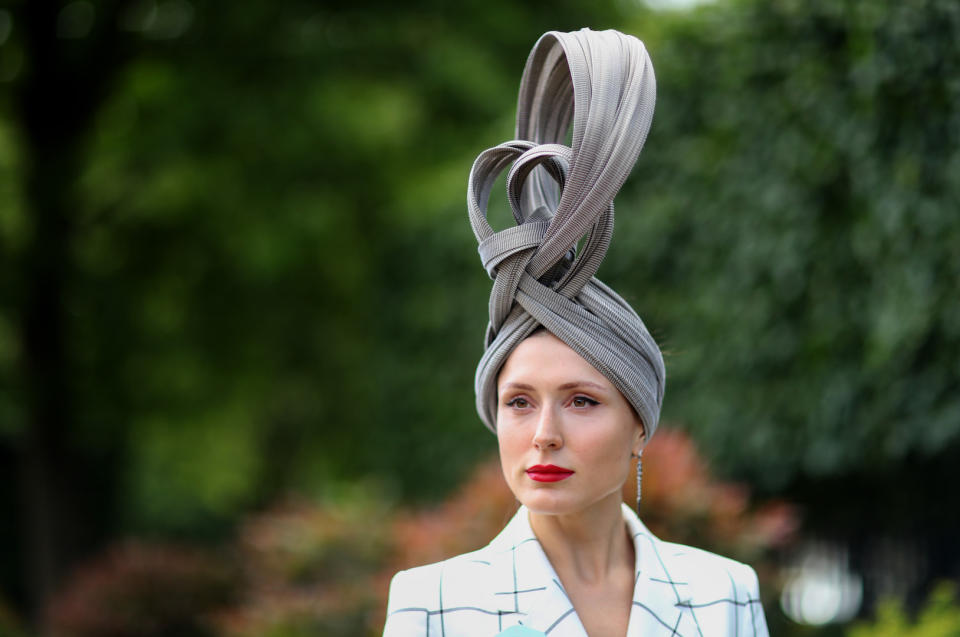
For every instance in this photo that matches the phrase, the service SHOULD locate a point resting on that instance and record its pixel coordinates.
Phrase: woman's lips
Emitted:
(548, 473)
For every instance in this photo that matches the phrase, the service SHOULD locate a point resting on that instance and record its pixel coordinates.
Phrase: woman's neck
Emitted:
(592, 544)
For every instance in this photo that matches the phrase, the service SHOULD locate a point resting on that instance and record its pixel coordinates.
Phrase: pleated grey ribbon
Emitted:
(604, 83)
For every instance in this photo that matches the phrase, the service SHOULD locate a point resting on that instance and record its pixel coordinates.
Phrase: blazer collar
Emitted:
(526, 585)
(662, 592)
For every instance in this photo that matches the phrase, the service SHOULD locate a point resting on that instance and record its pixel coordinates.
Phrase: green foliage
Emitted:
(940, 617)
(790, 233)
(254, 299)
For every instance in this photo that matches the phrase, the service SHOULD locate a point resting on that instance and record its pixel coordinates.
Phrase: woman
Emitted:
(571, 383)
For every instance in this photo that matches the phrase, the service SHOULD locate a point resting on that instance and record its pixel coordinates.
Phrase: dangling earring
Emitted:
(639, 477)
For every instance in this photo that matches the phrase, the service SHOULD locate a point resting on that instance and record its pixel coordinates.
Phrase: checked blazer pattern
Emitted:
(678, 591)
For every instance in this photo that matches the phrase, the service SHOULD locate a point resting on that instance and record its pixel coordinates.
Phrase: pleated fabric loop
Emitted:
(602, 84)
(506, 243)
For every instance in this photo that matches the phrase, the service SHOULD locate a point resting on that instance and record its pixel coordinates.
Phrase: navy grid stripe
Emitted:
(516, 598)
(672, 582)
(719, 601)
(559, 619)
(415, 610)
(735, 601)
(485, 611)
(444, 611)
(663, 566)
(522, 542)
(410, 610)
(443, 629)
(657, 617)
(695, 620)
(562, 589)
(526, 590)
(666, 581)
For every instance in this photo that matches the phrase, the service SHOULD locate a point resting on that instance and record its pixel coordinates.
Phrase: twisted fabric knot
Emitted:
(603, 82)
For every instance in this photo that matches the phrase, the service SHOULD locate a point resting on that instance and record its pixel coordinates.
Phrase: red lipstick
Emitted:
(548, 473)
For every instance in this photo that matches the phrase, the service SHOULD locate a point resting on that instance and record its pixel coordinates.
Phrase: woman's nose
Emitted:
(547, 435)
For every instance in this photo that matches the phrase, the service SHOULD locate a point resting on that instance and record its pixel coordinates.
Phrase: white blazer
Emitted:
(679, 590)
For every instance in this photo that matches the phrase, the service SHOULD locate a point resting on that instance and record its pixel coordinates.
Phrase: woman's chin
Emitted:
(542, 502)
(557, 502)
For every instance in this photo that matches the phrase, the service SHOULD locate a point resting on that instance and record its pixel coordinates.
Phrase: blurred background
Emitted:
(241, 305)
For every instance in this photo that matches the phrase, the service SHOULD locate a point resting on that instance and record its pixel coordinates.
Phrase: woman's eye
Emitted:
(518, 402)
(583, 401)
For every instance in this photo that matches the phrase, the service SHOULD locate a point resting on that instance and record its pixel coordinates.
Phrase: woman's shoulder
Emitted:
(717, 590)
(473, 561)
(700, 573)
(709, 573)
(420, 595)
(421, 585)
(473, 569)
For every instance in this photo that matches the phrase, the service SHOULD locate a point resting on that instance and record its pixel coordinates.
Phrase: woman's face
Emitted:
(565, 432)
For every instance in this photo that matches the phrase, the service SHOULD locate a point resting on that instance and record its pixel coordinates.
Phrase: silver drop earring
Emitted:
(639, 477)
(639, 480)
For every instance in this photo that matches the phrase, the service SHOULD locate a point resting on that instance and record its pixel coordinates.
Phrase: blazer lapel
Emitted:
(660, 591)
(527, 591)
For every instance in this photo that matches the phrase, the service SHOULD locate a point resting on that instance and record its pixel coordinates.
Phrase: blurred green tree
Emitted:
(793, 235)
(939, 617)
(792, 243)
(221, 230)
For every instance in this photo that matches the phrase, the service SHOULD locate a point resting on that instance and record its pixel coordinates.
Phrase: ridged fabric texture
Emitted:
(604, 83)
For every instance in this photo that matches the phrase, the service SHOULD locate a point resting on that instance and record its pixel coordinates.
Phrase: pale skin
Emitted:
(555, 408)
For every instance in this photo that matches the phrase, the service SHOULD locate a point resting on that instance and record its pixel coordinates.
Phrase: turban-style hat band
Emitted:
(604, 83)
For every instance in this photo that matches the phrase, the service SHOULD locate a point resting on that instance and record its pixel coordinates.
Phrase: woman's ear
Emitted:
(640, 438)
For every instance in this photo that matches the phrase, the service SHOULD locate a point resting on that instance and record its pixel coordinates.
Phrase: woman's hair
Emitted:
(603, 83)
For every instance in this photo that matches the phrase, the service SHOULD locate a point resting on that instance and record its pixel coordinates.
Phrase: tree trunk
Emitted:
(64, 84)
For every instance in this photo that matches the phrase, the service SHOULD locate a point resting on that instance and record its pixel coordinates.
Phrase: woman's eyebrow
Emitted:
(581, 383)
(571, 385)
(516, 385)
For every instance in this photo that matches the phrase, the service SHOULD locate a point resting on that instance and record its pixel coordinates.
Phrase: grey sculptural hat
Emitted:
(603, 82)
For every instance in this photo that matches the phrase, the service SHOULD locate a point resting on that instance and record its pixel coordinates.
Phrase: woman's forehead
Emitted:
(544, 359)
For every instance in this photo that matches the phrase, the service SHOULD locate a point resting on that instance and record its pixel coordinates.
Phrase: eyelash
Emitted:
(590, 401)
